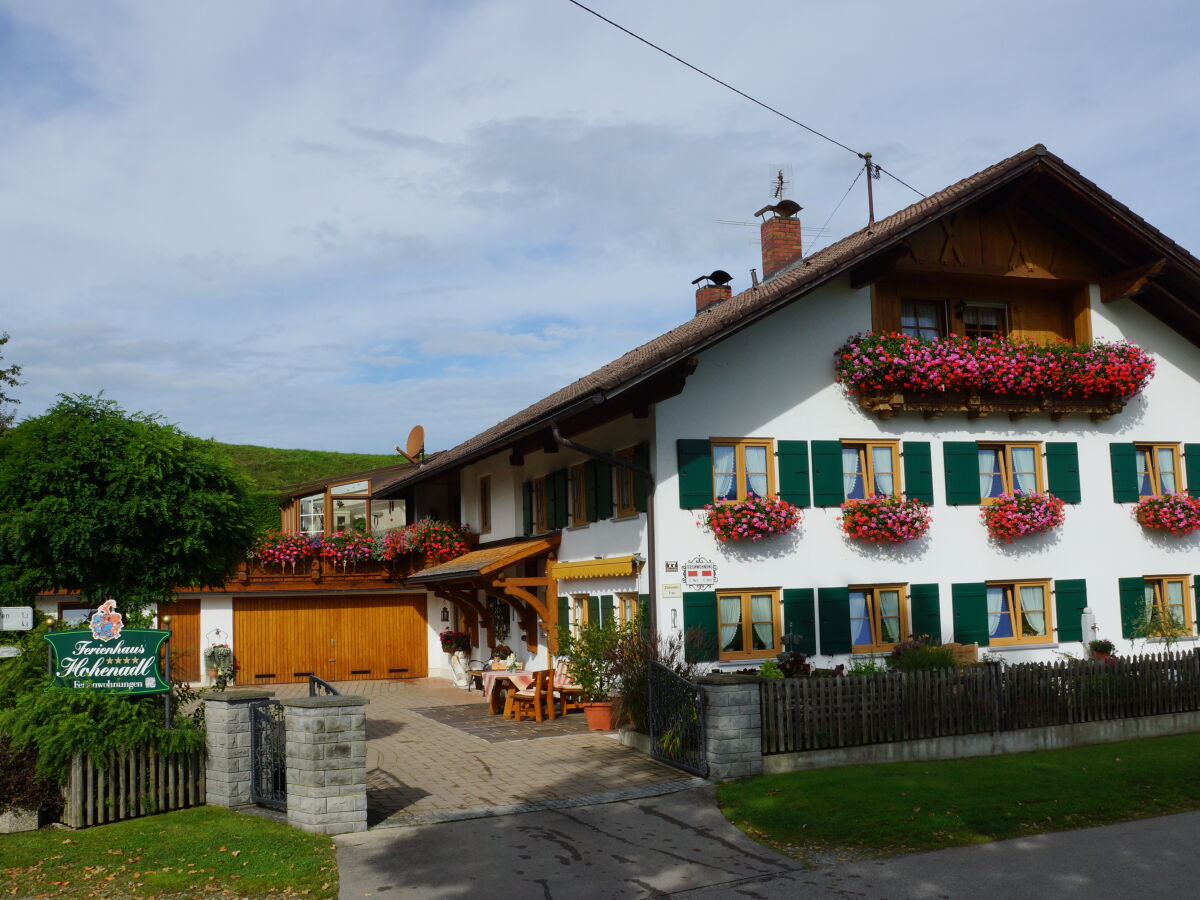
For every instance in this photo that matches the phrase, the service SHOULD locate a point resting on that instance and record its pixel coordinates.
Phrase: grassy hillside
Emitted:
(273, 470)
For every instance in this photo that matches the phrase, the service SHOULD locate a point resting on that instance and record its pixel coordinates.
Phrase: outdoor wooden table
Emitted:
(519, 679)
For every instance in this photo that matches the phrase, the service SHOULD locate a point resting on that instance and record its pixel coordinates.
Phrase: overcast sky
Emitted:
(315, 224)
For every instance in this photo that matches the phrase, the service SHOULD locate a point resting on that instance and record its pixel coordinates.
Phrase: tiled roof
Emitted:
(472, 564)
(724, 319)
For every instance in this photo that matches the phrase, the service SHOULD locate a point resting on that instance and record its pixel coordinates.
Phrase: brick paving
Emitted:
(421, 770)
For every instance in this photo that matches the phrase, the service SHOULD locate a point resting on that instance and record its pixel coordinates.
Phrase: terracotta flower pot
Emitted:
(599, 715)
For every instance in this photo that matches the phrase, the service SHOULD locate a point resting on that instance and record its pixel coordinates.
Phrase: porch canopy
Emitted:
(502, 572)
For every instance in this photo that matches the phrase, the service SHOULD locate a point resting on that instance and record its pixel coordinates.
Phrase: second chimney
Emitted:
(711, 294)
(780, 234)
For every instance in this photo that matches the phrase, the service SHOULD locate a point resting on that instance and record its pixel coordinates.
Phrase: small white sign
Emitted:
(699, 572)
(672, 591)
(16, 618)
(10, 652)
(671, 565)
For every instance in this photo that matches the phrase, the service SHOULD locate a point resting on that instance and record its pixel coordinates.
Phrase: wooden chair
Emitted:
(570, 694)
(536, 701)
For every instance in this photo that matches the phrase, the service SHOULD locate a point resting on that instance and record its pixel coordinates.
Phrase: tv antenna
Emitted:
(414, 447)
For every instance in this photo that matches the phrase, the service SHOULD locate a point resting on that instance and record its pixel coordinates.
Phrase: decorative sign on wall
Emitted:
(108, 656)
(672, 591)
(671, 565)
(699, 572)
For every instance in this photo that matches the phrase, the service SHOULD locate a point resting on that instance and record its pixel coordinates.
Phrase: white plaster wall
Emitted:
(216, 626)
(776, 380)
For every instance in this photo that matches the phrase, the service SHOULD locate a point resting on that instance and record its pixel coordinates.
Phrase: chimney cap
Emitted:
(784, 208)
(717, 277)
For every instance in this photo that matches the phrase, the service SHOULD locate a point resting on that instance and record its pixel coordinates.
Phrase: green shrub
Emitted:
(867, 665)
(634, 653)
(770, 669)
(921, 655)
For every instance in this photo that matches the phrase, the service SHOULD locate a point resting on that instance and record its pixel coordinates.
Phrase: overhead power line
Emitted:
(740, 93)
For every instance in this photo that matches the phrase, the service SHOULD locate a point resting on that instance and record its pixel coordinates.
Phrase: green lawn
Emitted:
(203, 852)
(905, 807)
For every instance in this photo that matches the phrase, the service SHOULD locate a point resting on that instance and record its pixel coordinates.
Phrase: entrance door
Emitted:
(285, 639)
(185, 638)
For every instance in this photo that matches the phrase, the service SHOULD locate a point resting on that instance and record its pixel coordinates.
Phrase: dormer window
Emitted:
(341, 507)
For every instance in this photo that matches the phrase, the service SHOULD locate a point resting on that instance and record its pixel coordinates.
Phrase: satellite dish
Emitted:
(414, 446)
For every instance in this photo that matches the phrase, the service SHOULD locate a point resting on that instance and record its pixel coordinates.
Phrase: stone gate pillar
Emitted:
(227, 740)
(326, 763)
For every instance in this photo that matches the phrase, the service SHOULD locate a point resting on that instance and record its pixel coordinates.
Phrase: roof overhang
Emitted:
(594, 568)
(483, 562)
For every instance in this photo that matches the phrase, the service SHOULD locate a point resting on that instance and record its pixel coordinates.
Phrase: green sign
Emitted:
(109, 657)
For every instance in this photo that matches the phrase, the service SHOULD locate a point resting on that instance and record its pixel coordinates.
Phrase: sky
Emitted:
(314, 224)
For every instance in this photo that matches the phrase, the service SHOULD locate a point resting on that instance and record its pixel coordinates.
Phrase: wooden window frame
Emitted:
(747, 624)
(329, 497)
(1151, 451)
(739, 464)
(64, 605)
(963, 305)
(1014, 612)
(1006, 470)
(578, 480)
(876, 620)
(578, 611)
(627, 607)
(1159, 583)
(625, 499)
(864, 449)
(484, 503)
(940, 306)
(541, 512)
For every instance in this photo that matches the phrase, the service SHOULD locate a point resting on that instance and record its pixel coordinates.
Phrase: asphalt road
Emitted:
(680, 845)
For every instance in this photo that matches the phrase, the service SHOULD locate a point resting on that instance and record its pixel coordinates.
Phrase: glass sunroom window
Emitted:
(312, 514)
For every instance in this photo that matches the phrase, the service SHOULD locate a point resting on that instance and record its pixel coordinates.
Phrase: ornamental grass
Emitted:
(885, 519)
(1176, 514)
(1019, 515)
(890, 361)
(751, 519)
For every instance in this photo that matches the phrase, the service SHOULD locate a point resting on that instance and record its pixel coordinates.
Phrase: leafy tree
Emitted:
(8, 378)
(115, 504)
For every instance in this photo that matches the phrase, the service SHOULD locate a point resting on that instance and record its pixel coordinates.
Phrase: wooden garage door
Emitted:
(285, 639)
(185, 638)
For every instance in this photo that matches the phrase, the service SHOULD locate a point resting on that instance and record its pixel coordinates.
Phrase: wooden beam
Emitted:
(530, 548)
(1130, 282)
(522, 594)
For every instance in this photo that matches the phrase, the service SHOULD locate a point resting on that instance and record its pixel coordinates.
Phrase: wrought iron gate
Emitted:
(677, 733)
(268, 754)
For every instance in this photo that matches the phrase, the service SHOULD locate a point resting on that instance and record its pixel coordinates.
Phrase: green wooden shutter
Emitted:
(793, 472)
(1123, 459)
(557, 507)
(643, 614)
(597, 475)
(969, 600)
(1070, 597)
(589, 491)
(799, 618)
(961, 460)
(641, 457)
(1062, 470)
(564, 615)
(828, 489)
(700, 625)
(593, 611)
(1133, 603)
(918, 471)
(1191, 468)
(607, 610)
(833, 605)
(1196, 597)
(527, 507)
(695, 474)
(925, 610)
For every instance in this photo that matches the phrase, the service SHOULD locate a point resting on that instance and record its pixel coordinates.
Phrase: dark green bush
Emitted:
(921, 655)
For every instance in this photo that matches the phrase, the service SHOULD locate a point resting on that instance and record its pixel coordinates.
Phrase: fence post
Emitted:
(326, 763)
(227, 771)
(733, 724)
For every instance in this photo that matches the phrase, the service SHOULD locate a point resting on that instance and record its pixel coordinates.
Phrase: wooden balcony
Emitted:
(976, 406)
(323, 574)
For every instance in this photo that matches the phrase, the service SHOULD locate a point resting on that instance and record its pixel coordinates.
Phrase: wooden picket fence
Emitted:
(129, 784)
(820, 713)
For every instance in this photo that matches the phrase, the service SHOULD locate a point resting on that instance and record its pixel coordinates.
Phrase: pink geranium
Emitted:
(1019, 515)
(885, 520)
(750, 520)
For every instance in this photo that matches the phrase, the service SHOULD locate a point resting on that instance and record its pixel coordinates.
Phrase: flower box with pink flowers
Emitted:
(751, 519)
(1176, 514)
(1010, 516)
(885, 520)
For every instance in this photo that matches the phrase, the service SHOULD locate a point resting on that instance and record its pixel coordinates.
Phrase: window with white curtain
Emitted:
(878, 617)
(748, 624)
(742, 468)
(1167, 595)
(1157, 469)
(1018, 612)
(869, 469)
(1009, 469)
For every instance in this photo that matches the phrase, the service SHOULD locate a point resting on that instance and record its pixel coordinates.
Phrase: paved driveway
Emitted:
(433, 754)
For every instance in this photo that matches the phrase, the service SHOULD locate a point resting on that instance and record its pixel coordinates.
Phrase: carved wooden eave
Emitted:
(977, 406)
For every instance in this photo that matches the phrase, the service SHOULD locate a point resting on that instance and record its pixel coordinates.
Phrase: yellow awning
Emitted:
(594, 568)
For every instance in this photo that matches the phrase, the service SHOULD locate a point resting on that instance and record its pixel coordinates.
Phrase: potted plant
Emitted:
(1176, 514)
(1101, 649)
(218, 659)
(885, 519)
(592, 651)
(455, 641)
(1019, 515)
(750, 520)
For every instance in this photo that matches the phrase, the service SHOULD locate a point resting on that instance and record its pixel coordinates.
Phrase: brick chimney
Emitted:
(780, 237)
(710, 295)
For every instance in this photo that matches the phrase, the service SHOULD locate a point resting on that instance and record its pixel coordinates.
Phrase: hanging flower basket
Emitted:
(750, 520)
(885, 520)
(437, 541)
(1019, 515)
(283, 548)
(1177, 514)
